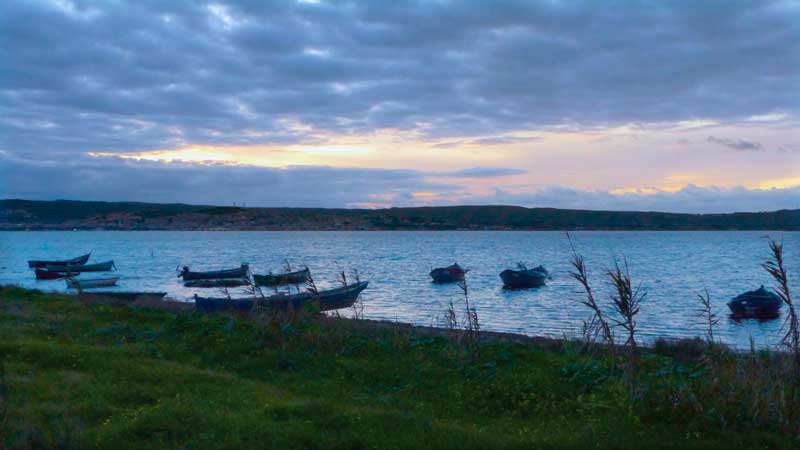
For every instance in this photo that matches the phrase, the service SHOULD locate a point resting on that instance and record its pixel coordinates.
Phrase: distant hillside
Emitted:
(67, 214)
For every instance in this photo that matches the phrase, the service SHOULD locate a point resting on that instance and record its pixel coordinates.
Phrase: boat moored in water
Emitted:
(449, 274)
(79, 261)
(282, 279)
(106, 266)
(330, 299)
(756, 304)
(89, 283)
(217, 283)
(240, 272)
(523, 277)
(123, 295)
(50, 275)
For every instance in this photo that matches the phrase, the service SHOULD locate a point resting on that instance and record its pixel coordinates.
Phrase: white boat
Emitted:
(88, 283)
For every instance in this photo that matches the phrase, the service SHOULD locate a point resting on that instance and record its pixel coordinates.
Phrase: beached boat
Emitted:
(218, 283)
(89, 283)
(106, 266)
(759, 304)
(79, 261)
(342, 297)
(281, 279)
(128, 296)
(48, 275)
(448, 274)
(523, 277)
(240, 272)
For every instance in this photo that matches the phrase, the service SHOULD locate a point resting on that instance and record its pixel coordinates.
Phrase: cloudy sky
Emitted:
(674, 106)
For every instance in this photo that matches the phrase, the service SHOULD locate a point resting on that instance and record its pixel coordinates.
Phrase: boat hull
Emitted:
(106, 266)
(91, 283)
(48, 275)
(282, 279)
(79, 261)
(338, 298)
(450, 274)
(240, 272)
(127, 296)
(223, 282)
(522, 279)
(757, 304)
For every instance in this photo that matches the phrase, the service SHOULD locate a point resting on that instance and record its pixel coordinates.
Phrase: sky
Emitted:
(614, 105)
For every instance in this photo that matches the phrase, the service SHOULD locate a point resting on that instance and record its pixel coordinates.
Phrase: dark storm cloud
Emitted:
(94, 75)
(737, 144)
(112, 178)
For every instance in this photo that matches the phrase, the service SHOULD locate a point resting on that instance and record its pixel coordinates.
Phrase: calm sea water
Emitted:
(671, 266)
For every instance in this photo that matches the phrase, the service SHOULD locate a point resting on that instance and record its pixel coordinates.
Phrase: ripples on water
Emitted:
(671, 266)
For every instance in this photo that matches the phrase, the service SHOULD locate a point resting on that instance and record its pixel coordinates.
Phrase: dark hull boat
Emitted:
(449, 274)
(128, 296)
(757, 304)
(99, 267)
(188, 275)
(524, 278)
(281, 279)
(48, 275)
(330, 299)
(79, 261)
(218, 283)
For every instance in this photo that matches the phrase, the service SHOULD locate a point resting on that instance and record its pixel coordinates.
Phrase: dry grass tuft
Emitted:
(791, 338)
(598, 324)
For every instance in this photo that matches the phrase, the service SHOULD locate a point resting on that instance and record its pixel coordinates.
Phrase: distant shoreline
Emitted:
(69, 215)
(518, 230)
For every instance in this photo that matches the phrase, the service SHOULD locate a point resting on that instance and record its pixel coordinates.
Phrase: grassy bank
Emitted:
(83, 375)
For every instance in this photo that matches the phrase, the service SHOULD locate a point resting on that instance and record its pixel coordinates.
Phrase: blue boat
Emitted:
(106, 266)
(342, 297)
(757, 304)
(79, 261)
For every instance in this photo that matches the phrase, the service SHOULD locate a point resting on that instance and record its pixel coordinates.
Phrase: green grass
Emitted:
(103, 376)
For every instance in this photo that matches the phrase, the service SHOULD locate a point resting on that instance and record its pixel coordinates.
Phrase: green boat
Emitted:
(281, 279)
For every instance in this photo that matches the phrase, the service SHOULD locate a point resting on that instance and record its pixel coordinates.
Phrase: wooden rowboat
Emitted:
(89, 283)
(106, 266)
(342, 297)
(448, 274)
(240, 272)
(223, 282)
(524, 277)
(281, 279)
(48, 275)
(756, 304)
(79, 261)
(128, 296)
